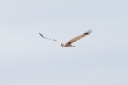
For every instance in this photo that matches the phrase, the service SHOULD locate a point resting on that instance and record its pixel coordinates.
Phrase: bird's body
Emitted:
(68, 44)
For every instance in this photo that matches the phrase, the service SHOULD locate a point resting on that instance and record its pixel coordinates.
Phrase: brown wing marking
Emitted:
(78, 37)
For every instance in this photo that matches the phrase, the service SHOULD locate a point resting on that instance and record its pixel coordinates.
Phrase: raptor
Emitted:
(69, 43)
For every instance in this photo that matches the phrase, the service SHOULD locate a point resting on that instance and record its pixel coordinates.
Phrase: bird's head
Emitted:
(62, 44)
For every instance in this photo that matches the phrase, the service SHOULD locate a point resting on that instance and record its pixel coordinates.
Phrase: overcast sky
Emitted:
(100, 58)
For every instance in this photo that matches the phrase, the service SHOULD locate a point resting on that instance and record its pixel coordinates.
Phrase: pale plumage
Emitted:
(68, 44)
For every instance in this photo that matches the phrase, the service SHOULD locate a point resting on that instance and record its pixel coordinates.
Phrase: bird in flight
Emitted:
(69, 43)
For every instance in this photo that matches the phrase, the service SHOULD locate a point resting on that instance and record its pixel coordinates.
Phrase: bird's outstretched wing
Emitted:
(78, 37)
(49, 38)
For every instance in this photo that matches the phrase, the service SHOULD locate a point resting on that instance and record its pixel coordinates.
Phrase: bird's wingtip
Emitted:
(88, 32)
(41, 35)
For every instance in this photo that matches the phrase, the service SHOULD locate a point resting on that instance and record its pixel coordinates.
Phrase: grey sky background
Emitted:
(98, 59)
